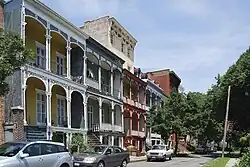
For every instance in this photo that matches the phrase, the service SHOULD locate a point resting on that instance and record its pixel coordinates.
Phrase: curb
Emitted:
(139, 160)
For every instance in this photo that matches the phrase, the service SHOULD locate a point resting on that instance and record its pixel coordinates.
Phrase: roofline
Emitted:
(59, 17)
(167, 69)
(105, 48)
(113, 18)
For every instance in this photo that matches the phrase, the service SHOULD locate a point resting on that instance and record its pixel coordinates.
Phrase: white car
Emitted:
(34, 154)
(159, 152)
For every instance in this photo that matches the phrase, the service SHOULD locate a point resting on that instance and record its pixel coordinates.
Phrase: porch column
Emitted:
(121, 89)
(150, 100)
(122, 117)
(112, 140)
(48, 113)
(131, 124)
(100, 77)
(85, 115)
(84, 69)
(122, 145)
(69, 111)
(48, 42)
(130, 94)
(101, 137)
(112, 82)
(138, 94)
(68, 60)
(24, 105)
(113, 114)
(100, 112)
(138, 123)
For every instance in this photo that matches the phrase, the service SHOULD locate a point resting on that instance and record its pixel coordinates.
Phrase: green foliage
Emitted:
(219, 162)
(78, 143)
(13, 55)
(244, 161)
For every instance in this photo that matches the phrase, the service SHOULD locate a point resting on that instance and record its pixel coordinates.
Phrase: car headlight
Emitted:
(89, 159)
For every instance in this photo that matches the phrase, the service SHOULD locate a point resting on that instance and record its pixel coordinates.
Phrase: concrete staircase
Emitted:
(93, 139)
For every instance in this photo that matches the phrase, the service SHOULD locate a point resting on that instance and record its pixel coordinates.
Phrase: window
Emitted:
(40, 55)
(40, 107)
(59, 64)
(111, 38)
(122, 48)
(118, 150)
(33, 150)
(128, 52)
(49, 149)
(103, 116)
(62, 149)
(60, 110)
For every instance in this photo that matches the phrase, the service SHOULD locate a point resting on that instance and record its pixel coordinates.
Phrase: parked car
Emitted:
(34, 154)
(159, 152)
(102, 156)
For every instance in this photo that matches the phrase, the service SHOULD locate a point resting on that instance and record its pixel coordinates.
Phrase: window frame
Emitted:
(60, 56)
(41, 47)
(61, 115)
(43, 93)
(40, 149)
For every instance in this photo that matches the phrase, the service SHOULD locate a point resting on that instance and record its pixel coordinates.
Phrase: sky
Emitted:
(196, 38)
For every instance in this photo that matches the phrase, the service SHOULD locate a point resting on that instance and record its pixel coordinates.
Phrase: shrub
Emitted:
(78, 143)
(244, 161)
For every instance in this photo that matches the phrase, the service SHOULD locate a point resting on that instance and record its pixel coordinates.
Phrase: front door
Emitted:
(90, 117)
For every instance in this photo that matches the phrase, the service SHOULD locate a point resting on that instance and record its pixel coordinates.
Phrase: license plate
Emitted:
(153, 157)
(76, 164)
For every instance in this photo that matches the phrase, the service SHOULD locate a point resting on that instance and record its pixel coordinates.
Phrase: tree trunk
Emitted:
(176, 144)
(78, 149)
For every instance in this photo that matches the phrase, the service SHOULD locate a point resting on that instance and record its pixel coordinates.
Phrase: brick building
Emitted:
(167, 80)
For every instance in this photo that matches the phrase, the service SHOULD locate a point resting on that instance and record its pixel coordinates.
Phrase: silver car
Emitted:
(102, 156)
(34, 154)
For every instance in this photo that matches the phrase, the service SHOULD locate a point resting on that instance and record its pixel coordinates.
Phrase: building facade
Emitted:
(104, 94)
(134, 98)
(168, 80)
(108, 31)
(65, 89)
(155, 97)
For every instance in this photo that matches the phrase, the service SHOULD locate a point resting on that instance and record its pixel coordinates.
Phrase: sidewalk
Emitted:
(137, 159)
(232, 162)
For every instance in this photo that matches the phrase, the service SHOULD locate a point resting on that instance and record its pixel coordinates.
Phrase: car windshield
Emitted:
(158, 148)
(10, 149)
(96, 150)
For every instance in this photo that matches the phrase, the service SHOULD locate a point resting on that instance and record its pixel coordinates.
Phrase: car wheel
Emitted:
(124, 163)
(101, 164)
(164, 158)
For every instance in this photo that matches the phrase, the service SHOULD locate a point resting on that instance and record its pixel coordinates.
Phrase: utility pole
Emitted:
(226, 118)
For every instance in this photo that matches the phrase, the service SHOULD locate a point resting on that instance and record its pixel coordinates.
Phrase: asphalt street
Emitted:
(175, 162)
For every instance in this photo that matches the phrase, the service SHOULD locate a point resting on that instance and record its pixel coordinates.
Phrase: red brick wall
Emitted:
(162, 78)
(1, 13)
(1, 120)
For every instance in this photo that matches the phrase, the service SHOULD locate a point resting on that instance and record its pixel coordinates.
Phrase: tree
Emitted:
(171, 116)
(13, 55)
(78, 143)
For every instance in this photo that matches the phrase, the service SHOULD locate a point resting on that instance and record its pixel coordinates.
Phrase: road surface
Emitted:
(175, 162)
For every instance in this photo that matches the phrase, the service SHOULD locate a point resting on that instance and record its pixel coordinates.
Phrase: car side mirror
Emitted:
(108, 152)
(24, 155)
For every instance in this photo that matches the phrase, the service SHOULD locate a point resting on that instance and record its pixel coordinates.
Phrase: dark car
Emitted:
(102, 156)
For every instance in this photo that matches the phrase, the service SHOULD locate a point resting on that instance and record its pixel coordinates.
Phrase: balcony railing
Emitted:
(92, 83)
(134, 133)
(106, 89)
(141, 134)
(78, 79)
(105, 127)
(117, 94)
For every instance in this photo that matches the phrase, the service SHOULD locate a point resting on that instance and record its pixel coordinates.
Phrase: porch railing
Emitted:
(105, 127)
(92, 83)
(134, 133)
(117, 94)
(142, 134)
(78, 79)
(35, 64)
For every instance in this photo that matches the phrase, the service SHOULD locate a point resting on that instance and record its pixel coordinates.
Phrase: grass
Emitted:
(219, 162)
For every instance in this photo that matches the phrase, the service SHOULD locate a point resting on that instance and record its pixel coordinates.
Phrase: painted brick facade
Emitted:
(18, 130)
(162, 78)
(1, 120)
(1, 13)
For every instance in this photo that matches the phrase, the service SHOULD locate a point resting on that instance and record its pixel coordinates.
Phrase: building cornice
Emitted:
(123, 29)
(58, 17)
